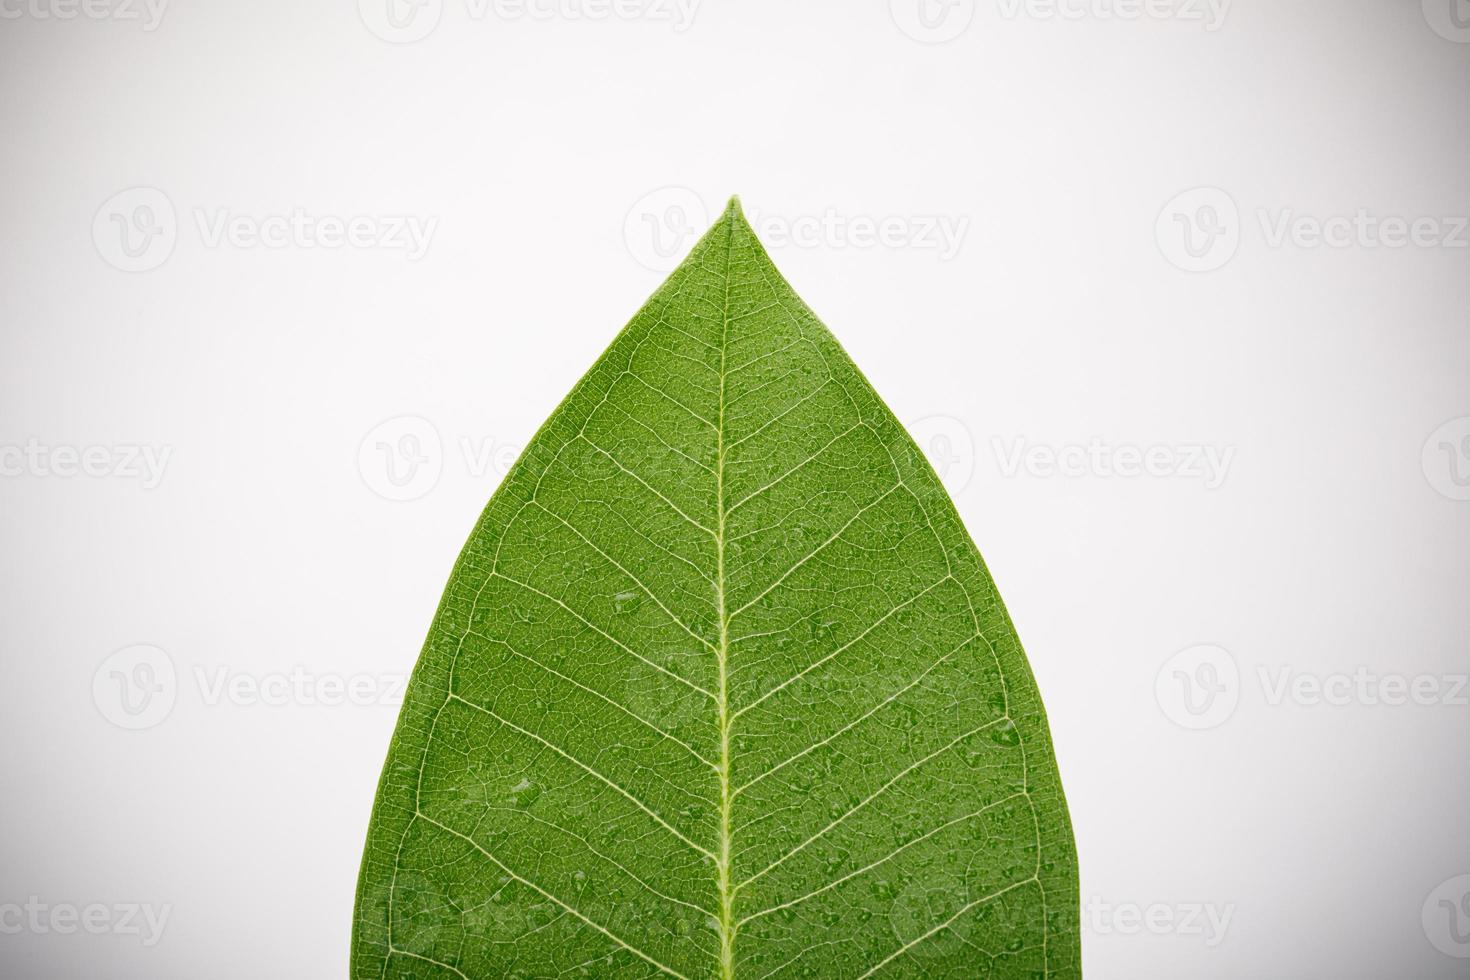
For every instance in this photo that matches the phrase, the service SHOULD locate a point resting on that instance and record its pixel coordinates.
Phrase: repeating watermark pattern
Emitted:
(1446, 459)
(950, 448)
(136, 230)
(145, 920)
(123, 461)
(1206, 921)
(407, 21)
(1446, 917)
(1198, 687)
(1201, 687)
(146, 13)
(1206, 464)
(661, 227)
(1201, 229)
(932, 21)
(403, 458)
(137, 688)
(1450, 19)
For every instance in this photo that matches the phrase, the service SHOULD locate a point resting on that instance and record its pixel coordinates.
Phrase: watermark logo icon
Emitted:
(1199, 687)
(931, 899)
(135, 230)
(662, 226)
(401, 459)
(1199, 230)
(401, 21)
(932, 21)
(1447, 459)
(136, 687)
(1446, 917)
(950, 448)
(1450, 19)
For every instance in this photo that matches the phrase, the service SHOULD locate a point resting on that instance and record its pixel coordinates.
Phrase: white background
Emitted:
(1335, 379)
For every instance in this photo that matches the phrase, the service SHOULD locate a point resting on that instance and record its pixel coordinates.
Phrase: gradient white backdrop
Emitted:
(1175, 293)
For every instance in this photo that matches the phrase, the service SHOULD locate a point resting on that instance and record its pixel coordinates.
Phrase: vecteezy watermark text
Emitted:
(407, 21)
(661, 227)
(298, 228)
(940, 233)
(142, 919)
(122, 461)
(1200, 230)
(1362, 686)
(1200, 687)
(1362, 229)
(1210, 13)
(1205, 920)
(297, 686)
(149, 13)
(938, 21)
(137, 229)
(1206, 464)
(137, 687)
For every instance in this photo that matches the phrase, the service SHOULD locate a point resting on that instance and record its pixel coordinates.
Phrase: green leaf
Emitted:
(720, 687)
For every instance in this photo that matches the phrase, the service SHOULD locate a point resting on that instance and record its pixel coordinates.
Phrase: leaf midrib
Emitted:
(722, 874)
